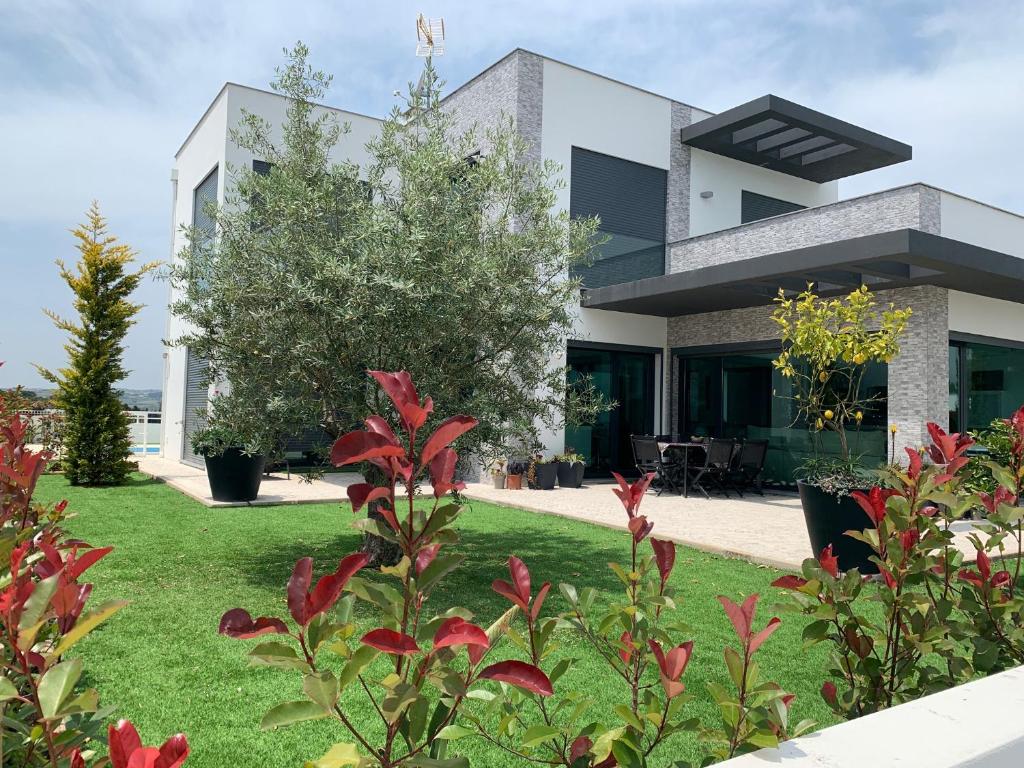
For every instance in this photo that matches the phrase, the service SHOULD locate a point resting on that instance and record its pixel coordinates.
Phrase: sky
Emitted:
(98, 95)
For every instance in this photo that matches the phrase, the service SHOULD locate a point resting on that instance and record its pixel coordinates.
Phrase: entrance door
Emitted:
(197, 398)
(627, 378)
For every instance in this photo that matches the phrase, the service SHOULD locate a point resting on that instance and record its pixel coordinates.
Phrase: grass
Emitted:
(161, 663)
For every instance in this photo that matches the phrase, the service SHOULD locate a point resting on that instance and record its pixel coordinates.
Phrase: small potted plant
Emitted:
(570, 466)
(826, 346)
(516, 468)
(498, 474)
(235, 454)
(542, 473)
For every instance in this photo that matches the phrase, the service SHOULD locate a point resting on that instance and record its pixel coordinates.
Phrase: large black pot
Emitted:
(828, 518)
(545, 475)
(234, 476)
(570, 474)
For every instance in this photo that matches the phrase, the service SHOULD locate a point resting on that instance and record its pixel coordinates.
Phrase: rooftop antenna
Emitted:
(429, 36)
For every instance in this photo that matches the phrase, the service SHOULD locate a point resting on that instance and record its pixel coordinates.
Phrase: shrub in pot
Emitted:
(516, 469)
(827, 345)
(570, 466)
(234, 450)
(498, 474)
(542, 473)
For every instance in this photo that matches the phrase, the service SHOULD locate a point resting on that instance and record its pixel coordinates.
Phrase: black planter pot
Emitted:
(828, 518)
(545, 475)
(234, 476)
(570, 474)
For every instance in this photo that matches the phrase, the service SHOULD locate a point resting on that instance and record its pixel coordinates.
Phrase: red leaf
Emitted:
(742, 617)
(627, 653)
(379, 425)
(984, 565)
(445, 434)
(363, 493)
(360, 446)
(757, 640)
(581, 746)
(476, 653)
(398, 386)
(873, 502)
(123, 740)
(521, 675)
(442, 470)
(328, 589)
(632, 495)
(640, 527)
(298, 587)
(457, 631)
(789, 581)
(425, 557)
(520, 577)
(828, 562)
(77, 565)
(828, 692)
(539, 600)
(239, 624)
(173, 752)
(389, 641)
(77, 761)
(506, 590)
(665, 557)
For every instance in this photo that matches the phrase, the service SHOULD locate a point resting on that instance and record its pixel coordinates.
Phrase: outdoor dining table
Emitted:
(686, 459)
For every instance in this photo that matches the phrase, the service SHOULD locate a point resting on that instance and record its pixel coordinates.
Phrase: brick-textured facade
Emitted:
(915, 207)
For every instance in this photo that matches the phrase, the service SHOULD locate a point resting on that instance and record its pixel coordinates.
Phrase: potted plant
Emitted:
(516, 468)
(234, 452)
(542, 473)
(827, 345)
(498, 474)
(570, 466)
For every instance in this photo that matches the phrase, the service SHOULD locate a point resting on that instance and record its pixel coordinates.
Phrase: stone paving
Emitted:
(766, 530)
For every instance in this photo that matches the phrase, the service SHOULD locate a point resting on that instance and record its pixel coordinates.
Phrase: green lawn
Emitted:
(161, 663)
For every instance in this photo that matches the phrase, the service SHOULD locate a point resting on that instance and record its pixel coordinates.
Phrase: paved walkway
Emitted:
(768, 531)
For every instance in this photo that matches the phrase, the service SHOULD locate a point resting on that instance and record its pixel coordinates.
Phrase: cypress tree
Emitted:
(97, 439)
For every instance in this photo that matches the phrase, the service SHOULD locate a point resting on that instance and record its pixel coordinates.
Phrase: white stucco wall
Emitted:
(727, 178)
(207, 147)
(980, 224)
(982, 316)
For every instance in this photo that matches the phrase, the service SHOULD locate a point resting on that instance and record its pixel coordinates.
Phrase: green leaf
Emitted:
(338, 756)
(360, 659)
(422, 761)
(454, 732)
(735, 665)
(322, 688)
(7, 689)
(278, 655)
(292, 712)
(57, 684)
(441, 566)
(38, 602)
(87, 623)
(632, 720)
(537, 734)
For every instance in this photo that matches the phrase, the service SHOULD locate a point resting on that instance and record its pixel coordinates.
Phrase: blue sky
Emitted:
(99, 94)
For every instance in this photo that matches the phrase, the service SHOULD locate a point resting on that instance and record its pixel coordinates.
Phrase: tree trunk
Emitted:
(381, 551)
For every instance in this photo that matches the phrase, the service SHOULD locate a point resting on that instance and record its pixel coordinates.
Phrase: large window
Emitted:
(629, 198)
(742, 396)
(986, 382)
(204, 196)
(754, 207)
(628, 378)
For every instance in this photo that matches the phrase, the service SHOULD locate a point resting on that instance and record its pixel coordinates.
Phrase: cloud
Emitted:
(99, 94)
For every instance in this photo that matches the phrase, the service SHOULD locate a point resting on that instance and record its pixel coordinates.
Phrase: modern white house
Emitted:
(708, 216)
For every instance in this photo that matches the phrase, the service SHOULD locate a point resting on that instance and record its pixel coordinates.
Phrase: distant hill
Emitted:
(133, 399)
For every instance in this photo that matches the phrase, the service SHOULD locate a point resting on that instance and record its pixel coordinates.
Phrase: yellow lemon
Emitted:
(819, 424)
(893, 429)
(859, 416)
(822, 377)
(829, 415)
(858, 359)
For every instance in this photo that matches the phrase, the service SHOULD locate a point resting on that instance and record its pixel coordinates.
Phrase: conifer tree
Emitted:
(97, 439)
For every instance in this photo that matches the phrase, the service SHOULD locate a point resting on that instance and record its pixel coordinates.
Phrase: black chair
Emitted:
(648, 458)
(714, 470)
(746, 469)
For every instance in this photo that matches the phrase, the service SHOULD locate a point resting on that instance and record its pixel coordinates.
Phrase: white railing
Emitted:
(145, 427)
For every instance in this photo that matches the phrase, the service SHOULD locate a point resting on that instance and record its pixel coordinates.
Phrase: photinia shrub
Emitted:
(48, 719)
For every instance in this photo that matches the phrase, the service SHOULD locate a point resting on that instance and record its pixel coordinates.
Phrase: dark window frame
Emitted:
(750, 200)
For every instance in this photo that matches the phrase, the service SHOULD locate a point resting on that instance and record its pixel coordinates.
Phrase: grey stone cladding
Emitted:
(918, 376)
(912, 207)
(510, 89)
(677, 209)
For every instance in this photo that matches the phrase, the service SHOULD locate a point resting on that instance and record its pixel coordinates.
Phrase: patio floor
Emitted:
(766, 530)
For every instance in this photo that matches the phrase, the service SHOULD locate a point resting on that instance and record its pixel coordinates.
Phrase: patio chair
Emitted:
(648, 459)
(745, 472)
(717, 459)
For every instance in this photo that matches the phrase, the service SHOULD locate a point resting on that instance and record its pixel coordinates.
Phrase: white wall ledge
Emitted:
(970, 726)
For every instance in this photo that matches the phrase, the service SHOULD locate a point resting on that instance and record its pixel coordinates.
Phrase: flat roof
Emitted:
(774, 133)
(882, 261)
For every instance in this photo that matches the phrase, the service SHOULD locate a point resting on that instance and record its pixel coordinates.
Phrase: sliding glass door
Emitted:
(742, 396)
(986, 382)
(628, 378)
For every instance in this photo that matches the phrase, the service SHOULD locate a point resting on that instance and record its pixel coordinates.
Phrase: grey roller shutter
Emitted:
(197, 398)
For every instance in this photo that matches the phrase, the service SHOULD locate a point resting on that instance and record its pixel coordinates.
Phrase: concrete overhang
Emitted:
(774, 133)
(896, 259)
